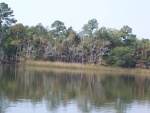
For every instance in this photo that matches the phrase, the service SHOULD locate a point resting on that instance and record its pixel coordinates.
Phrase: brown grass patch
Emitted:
(84, 68)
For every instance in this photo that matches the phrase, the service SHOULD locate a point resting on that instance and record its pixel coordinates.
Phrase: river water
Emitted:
(27, 90)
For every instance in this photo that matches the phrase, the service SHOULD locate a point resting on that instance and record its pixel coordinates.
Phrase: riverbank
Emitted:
(88, 68)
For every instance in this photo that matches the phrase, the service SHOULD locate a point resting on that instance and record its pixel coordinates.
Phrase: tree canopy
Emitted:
(92, 45)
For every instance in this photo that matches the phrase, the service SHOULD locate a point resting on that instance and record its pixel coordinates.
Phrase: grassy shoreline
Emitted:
(87, 68)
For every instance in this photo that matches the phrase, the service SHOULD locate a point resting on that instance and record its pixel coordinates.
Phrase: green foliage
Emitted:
(9, 48)
(90, 27)
(6, 19)
(6, 15)
(121, 56)
(102, 34)
(59, 28)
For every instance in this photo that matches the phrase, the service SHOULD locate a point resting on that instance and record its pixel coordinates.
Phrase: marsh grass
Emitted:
(85, 68)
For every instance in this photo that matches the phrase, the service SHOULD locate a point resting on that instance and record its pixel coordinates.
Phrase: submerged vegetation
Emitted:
(92, 45)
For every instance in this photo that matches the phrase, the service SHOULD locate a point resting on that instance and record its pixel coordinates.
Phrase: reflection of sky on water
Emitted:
(29, 107)
(138, 107)
(71, 107)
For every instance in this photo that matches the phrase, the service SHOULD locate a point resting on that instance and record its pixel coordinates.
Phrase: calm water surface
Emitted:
(27, 90)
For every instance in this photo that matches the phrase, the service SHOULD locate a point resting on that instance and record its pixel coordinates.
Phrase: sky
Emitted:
(76, 13)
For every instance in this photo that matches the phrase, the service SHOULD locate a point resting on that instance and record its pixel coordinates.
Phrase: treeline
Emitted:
(93, 45)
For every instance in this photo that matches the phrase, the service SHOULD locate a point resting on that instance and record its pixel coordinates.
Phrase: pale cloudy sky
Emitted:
(76, 13)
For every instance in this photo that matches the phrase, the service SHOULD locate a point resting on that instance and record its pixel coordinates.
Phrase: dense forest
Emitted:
(92, 45)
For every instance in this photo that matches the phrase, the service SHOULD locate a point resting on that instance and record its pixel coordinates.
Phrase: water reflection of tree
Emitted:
(4, 103)
(89, 92)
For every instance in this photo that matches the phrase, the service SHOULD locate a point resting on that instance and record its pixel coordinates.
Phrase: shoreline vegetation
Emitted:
(83, 68)
(92, 45)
